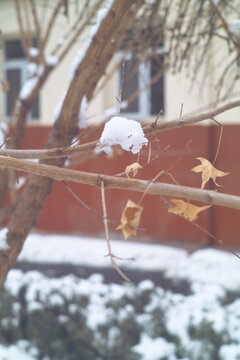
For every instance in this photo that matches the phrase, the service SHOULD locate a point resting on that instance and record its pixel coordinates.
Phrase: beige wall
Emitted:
(178, 88)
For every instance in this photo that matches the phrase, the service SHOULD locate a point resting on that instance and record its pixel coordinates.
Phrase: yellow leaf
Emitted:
(132, 169)
(208, 171)
(5, 86)
(187, 210)
(130, 219)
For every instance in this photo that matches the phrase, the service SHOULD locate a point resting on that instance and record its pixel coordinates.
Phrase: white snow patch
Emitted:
(34, 70)
(155, 349)
(229, 352)
(79, 250)
(20, 182)
(13, 352)
(81, 53)
(124, 132)
(234, 26)
(4, 128)
(31, 69)
(33, 51)
(28, 88)
(82, 116)
(61, 42)
(51, 60)
(146, 285)
(3, 239)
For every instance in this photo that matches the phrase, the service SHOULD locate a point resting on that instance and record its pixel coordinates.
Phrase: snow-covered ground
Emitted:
(211, 274)
(206, 266)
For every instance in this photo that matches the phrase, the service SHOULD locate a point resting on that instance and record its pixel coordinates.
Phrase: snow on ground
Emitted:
(219, 269)
(20, 351)
(210, 272)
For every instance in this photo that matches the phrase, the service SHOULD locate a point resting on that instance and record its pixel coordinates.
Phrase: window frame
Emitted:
(17, 64)
(144, 76)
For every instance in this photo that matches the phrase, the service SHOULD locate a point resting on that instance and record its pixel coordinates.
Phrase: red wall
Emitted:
(62, 213)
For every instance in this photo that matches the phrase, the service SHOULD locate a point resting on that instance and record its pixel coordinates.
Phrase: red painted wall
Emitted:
(63, 213)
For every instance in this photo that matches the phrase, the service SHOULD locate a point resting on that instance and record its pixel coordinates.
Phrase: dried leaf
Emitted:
(187, 210)
(208, 171)
(5, 86)
(130, 219)
(132, 169)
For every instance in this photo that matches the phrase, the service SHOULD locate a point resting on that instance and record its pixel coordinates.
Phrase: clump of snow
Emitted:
(79, 57)
(61, 42)
(28, 88)
(20, 182)
(234, 26)
(124, 132)
(3, 239)
(31, 69)
(34, 70)
(146, 285)
(13, 352)
(230, 352)
(51, 60)
(4, 128)
(33, 51)
(155, 349)
(81, 53)
(82, 116)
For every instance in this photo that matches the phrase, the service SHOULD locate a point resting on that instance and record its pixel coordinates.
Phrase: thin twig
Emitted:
(146, 163)
(149, 152)
(219, 143)
(164, 172)
(181, 111)
(121, 89)
(51, 23)
(81, 201)
(105, 222)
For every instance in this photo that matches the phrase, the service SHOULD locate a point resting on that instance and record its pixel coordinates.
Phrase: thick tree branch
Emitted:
(112, 182)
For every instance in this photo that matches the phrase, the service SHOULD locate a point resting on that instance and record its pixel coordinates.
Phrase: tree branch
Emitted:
(112, 182)
(149, 129)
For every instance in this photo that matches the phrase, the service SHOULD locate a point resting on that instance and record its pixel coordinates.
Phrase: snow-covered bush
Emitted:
(72, 318)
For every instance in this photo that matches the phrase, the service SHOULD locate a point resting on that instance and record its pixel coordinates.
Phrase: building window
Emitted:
(15, 73)
(143, 85)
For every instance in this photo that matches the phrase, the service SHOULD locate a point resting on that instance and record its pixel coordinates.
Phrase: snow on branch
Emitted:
(3, 239)
(28, 87)
(82, 116)
(81, 53)
(121, 131)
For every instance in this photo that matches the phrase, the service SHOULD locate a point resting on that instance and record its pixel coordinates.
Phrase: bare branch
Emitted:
(149, 129)
(52, 20)
(21, 29)
(112, 182)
